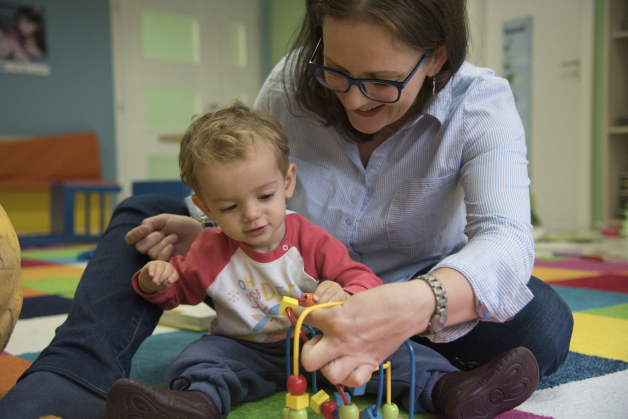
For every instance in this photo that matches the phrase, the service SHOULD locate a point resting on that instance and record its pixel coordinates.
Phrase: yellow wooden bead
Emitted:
(285, 303)
(297, 402)
(317, 400)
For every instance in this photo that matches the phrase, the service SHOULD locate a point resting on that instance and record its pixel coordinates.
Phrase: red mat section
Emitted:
(610, 282)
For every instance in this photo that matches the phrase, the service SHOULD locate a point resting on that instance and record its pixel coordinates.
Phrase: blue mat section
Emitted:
(580, 299)
(156, 354)
(578, 367)
(48, 305)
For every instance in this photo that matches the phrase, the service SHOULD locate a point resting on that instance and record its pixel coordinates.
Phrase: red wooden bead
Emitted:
(328, 408)
(309, 300)
(296, 385)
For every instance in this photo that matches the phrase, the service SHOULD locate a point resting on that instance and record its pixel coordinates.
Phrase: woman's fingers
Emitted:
(158, 243)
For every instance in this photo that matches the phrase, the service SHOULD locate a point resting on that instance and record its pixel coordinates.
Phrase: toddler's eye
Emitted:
(265, 197)
(231, 208)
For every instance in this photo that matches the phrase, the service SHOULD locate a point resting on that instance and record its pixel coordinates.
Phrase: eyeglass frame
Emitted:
(358, 82)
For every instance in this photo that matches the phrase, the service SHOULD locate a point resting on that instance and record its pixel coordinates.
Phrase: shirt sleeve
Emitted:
(499, 256)
(326, 258)
(196, 273)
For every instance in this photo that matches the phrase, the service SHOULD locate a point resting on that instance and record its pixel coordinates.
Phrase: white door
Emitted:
(562, 65)
(173, 60)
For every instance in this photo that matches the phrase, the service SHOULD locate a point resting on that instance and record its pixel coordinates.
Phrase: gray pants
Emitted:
(233, 371)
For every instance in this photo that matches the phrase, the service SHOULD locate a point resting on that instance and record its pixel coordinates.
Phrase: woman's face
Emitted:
(369, 51)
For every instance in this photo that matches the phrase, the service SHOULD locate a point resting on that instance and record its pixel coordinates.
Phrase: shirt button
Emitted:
(285, 247)
(349, 220)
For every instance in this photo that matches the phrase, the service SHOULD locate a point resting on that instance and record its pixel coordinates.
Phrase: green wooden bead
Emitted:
(389, 411)
(348, 412)
(298, 414)
(285, 412)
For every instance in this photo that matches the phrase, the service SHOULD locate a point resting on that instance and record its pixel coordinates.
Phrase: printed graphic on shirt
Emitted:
(247, 295)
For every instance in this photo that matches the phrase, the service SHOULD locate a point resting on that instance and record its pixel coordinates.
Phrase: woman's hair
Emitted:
(230, 133)
(424, 25)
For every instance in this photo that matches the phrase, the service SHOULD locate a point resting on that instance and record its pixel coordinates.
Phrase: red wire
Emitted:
(341, 390)
(294, 323)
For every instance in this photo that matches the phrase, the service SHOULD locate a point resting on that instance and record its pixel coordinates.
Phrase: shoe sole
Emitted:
(508, 382)
(134, 400)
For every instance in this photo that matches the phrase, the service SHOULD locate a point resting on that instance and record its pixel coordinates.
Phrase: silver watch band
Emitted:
(439, 318)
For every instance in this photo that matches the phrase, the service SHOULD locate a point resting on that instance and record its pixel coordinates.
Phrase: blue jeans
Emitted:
(109, 321)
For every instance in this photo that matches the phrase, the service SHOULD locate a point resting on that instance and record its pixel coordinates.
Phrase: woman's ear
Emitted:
(201, 205)
(291, 179)
(437, 62)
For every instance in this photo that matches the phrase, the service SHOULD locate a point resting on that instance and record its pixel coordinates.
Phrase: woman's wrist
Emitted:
(460, 296)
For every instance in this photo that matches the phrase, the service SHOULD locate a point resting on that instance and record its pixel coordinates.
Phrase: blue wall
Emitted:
(78, 93)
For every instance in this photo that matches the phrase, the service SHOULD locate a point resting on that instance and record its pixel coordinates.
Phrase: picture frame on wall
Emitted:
(23, 47)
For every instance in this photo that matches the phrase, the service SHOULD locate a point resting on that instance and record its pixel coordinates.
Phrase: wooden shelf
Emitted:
(620, 35)
(619, 129)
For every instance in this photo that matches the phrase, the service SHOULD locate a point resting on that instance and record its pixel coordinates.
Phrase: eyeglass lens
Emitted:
(381, 92)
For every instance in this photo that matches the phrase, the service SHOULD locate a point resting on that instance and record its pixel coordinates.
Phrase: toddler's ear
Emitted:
(201, 205)
(291, 179)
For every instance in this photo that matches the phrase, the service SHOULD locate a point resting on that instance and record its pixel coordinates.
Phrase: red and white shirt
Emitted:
(246, 286)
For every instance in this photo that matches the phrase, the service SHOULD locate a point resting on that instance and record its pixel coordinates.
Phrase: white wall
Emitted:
(560, 153)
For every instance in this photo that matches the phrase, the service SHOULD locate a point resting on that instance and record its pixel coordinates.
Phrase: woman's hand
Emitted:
(367, 328)
(164, 236)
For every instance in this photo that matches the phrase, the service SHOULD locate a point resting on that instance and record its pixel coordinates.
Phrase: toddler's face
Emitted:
(247, 198)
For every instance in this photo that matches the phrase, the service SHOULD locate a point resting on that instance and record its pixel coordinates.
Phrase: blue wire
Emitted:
(290, 329)
(412, 362)
(380, 390)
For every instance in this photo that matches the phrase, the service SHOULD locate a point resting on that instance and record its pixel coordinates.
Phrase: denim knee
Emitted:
(553, 327)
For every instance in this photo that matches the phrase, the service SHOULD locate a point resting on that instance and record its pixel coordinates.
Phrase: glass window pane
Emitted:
(170, 108)
(170, 37)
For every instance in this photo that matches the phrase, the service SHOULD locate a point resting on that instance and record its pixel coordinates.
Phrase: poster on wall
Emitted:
(517, 68)
(23, 48)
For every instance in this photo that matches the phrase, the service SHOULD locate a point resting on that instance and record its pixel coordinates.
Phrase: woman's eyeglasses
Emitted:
(385, 91)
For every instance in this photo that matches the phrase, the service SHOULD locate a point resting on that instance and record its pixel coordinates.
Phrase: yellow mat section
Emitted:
(605, 337)
(47, 272)
(556, 274)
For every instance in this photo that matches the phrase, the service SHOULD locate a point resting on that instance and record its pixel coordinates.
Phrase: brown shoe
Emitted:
(485, 392)
(130, 399)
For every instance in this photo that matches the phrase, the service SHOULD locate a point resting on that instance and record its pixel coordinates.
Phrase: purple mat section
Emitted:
(4, 353)
(584, 265)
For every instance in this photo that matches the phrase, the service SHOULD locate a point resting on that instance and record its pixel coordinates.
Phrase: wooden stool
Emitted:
(10, 279)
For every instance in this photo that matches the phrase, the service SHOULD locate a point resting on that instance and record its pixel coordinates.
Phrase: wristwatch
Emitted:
(439, 318)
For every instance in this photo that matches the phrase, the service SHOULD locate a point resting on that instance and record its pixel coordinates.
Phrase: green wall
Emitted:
(285, 18)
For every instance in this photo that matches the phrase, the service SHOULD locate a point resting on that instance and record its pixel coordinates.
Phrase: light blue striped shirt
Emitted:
(449, 189)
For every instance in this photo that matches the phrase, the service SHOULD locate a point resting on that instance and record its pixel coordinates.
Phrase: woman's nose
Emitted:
(355, 99)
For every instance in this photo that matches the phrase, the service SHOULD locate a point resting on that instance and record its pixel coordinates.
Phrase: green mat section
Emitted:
(619, 311)
(55, 253)
(65, 286)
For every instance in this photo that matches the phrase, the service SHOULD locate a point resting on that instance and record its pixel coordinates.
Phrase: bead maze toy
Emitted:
(298, 400)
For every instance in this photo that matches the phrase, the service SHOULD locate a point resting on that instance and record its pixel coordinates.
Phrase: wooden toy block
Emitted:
(317, 400)
(285, 303)
(358, 391)
(339, 400)
(297, 402)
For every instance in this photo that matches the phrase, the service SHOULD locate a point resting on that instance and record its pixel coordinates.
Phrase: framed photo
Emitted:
(23, 47)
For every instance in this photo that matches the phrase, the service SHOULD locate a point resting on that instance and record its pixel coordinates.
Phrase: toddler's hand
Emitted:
(328, 292)
(157, 275)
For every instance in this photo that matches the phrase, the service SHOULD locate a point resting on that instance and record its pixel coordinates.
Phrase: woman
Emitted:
(431, 178)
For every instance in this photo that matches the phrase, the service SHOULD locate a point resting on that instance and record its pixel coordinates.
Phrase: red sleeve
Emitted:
(208, 256)
(326, 258)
